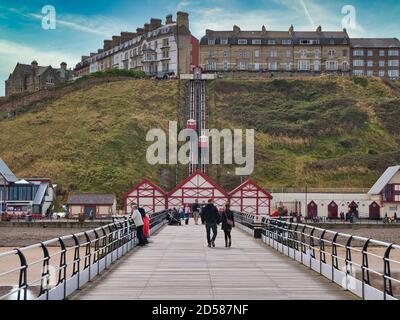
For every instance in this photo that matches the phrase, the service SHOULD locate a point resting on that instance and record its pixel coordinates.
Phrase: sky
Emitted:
(81, 26)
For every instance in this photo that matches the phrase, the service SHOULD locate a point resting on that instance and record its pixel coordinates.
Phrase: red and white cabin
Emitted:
(250, 198)
(146, 195)
(191, 125)
(197, 186)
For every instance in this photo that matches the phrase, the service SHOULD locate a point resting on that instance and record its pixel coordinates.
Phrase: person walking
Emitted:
(212, 219)
(196, 211)
(228, 223)
(138, 221)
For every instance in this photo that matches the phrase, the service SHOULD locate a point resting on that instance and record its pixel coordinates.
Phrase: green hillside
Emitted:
(328, 132)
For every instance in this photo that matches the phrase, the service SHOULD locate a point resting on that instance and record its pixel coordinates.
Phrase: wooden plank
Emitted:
(178, 265)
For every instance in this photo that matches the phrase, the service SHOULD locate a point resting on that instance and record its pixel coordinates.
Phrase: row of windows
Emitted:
(275, 53)
(212, 42)
(21, 193)
(381, 73)
(302, 65)
(382, 63)
(370, 53)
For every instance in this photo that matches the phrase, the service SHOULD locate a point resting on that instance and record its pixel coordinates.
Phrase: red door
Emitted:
(333, 210)
(374, 211)
(312, 210)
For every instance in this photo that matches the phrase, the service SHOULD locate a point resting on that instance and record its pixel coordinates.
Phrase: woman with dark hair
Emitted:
(228, 223)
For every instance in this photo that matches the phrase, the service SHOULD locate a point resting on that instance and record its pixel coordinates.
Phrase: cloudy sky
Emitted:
(81, 26)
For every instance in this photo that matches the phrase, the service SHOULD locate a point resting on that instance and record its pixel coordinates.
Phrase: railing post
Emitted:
(348, 260)
(22, 282)
(44, 283)
(335, 262)
(365, 268)
(62, 273)
(76, 269)
(387, 282)
(322, 255)
(88, 254)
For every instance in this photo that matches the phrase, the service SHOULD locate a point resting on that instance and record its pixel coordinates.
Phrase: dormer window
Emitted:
(224, 41)
(211, 42)
(242, 41)
(256, 42)
(271, 42)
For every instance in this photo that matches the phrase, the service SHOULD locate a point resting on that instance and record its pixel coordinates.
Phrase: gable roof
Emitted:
(6, 173)
(250, 182)
(91, 199)
(144, 181)
(384, 180)
(201, 174)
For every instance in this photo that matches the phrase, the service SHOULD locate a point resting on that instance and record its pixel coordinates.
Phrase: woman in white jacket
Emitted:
(138, 221)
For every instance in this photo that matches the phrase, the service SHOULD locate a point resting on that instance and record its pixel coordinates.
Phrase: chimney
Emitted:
(236, 29)
(146, 28)
(63, 65)
(34, 64)
(126, 36)
(264, 29)
(168, 19)
(319, 29)
(139, 31)
(291, 30)
(155, 24)
(182, 19)
(107, 45)
(116, 41)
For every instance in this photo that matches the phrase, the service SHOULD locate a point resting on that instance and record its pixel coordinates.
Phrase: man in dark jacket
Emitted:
(211, 217)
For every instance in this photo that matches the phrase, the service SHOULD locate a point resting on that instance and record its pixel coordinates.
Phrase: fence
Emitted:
(368, 268)
(54, 269)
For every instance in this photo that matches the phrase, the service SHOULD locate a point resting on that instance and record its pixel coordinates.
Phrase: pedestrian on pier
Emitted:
(138, 221)
(196, 211)
(228, 223)
(211, 218)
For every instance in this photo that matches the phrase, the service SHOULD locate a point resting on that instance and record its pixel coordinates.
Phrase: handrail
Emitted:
(66, 263)
(335, 250)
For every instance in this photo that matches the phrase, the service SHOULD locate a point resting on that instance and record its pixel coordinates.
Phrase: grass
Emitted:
(326, 132)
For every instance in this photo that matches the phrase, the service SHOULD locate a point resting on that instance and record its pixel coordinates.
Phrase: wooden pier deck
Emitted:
(178, 265)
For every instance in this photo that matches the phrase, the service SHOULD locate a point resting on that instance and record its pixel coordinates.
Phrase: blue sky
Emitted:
(83, 25)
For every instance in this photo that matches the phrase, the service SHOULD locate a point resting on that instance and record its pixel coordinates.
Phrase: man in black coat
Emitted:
(211, 217)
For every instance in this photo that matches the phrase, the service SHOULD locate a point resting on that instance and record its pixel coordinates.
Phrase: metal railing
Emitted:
(54, 269)
(366, 267)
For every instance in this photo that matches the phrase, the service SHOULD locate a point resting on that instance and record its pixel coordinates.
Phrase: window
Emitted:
(331, 53)
(210, 54)
(257, 53)
(271, 42)
(370, 63)
(370, 73)
(345, 66)
(242, 65)
(344, 53)
(358, 72)
(211, 42)
(382, 73)
(274, 53)
(304, 65)
(225, 53)
(382, 63)
(288, 53)
(211, 65)
(165, 42)
(381, 53)
(331, 65)
(242, 41)
(286, 42)
(256, 66)
(358, 63)
(393, 63)
(226, 66)
(317, 53)
(393, 73)
(288, 66)
(358, 53)
(317, 66)
(393, 53)
(305, 41)
(303, 54)
(256, 42)
(224, 41)
(242, 53)
(370, 53)
(273, 66)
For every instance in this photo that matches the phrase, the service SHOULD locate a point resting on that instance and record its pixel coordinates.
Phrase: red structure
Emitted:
(147, 195)
(312, 210)
(333, 210)
(195, 52)
(249, 197)
(197, 186)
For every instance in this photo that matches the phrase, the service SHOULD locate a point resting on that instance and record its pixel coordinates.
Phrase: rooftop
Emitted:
(91, 199)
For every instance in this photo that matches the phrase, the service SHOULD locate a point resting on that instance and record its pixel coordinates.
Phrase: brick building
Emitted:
(156, 49)
(31, 78)
(375, 57)
(276, 51)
